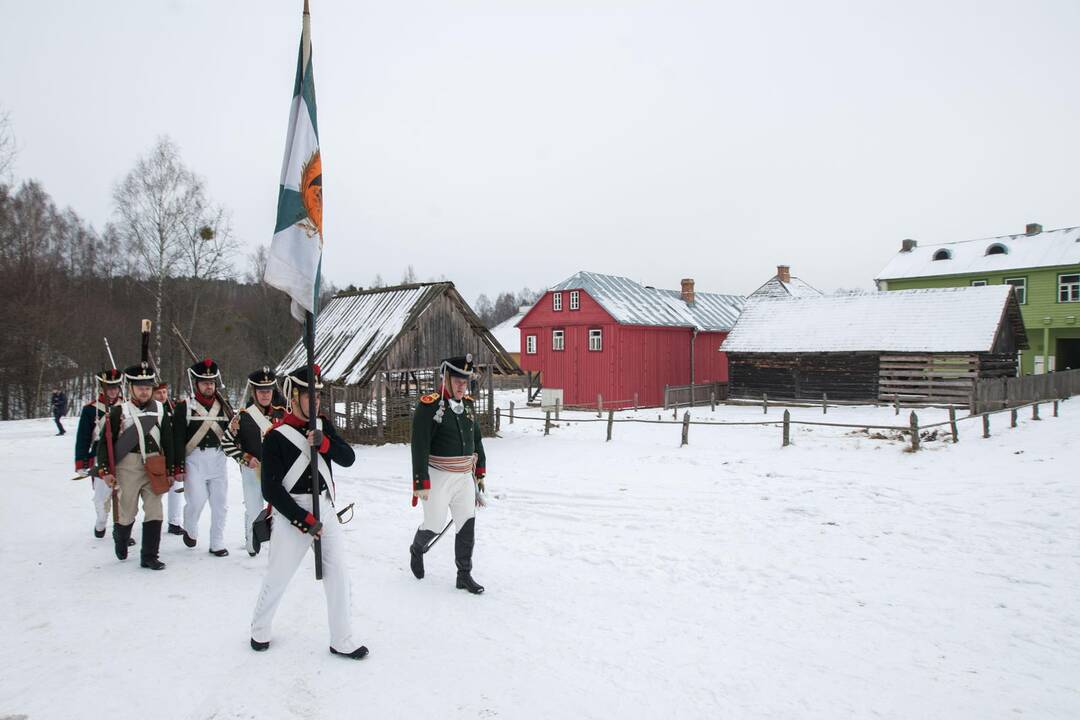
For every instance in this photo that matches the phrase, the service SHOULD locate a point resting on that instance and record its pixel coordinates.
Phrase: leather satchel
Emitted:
(260, 529)
(155, 470)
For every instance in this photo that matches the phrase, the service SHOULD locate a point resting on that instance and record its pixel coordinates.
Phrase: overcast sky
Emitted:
(514, 142)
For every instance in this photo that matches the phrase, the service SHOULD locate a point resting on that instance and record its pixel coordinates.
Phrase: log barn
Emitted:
(380, 349)
(918, 346)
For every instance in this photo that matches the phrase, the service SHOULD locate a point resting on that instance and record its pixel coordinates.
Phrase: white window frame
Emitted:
(979, 283)
(556, 301)
(558, 340)
(1071, 289)
(575, 300)
(596, 334)
(1021, 296)
(530, 344)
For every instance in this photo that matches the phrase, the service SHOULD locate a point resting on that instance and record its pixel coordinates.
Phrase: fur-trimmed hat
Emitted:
(141, 374)
(112, 376)
(461, 366)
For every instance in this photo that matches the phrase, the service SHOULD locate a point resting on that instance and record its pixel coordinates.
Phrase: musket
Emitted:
(112, 466)
(108, 349)
(229, 412)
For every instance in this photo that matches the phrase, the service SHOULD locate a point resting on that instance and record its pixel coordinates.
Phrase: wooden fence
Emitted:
(928, 378)
(694, 395)
(999, 393)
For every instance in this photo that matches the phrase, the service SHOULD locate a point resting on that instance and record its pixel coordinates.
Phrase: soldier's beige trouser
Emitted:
(133, 484)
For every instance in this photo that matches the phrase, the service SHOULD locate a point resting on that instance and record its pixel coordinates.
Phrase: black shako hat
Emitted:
(112, 376)
(264, 378)
(301, 378)
(141, 374)
(461, 366)
(205, 370)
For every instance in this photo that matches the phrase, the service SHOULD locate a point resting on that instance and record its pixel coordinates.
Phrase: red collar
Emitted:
(204, 400)
(105, 401)
(290, 419)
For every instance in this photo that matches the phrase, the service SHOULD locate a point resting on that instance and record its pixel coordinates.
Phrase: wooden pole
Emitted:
(787, 428)
(599, 405)
(610, 423)
(1012, 418)
(914, 432)
(686, 428)
(511, 412)
(498, 418)
(379, 404)
(1035, 412)
(765, 403)
(558, 406)
(712, 399)
(674, 412)
(666, 396)
(313, 467)
(952, 425)
(1055, 408)
(986, 425)
(635, 402)
(547, 422)
(896, 404)
(824, 403)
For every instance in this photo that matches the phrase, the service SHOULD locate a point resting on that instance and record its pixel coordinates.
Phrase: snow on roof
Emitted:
(779, 289)
(964, 319)
(632, 303)
(1049, 248)
(353, 329)
(507, 332)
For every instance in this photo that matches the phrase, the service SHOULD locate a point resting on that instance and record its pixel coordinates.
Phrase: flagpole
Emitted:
(316, 482)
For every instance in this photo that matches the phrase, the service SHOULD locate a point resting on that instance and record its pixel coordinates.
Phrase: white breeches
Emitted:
(206, 479)
(253, 500)
(288, 546)
(453, 491)
(176, 504)
(102, 501)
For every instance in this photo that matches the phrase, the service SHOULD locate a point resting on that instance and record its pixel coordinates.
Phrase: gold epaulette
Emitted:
(430, 399)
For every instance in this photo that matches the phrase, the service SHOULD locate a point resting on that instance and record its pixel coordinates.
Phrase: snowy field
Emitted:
(841, 577)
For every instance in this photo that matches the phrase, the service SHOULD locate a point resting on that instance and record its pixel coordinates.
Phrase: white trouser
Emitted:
(102, 498)
(253, 501)
(455, 491)
(206, 478)
(287, 549)
(176, 504)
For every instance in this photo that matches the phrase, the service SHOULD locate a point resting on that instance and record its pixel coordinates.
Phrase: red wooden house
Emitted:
(606, 335)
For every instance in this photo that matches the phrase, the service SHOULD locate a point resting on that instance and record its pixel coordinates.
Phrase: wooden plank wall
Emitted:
(930, 377)
(793, 376)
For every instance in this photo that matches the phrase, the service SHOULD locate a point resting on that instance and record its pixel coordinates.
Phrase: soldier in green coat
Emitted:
(448, 468)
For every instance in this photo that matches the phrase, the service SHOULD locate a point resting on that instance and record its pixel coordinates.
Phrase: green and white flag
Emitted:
(296, 251)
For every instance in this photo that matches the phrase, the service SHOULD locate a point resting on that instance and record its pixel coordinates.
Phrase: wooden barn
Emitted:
(914, 346)
(380, 350)
(603, 335)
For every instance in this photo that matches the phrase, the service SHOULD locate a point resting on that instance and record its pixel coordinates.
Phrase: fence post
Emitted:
(686, 428)
(635, 402)
(666, 396)
(1035, 412)
(498, 418)
(1055, 408)
(379, 405)
(952, 425)
(674, 412)
(558, 405)
(896, 404)
(712, 399)
(610, 423)
(1012, 418)
(765, 403)
(511, 412)
(599, 405)
(986, 425)
(914, 432)
(787, 428)
(824, 403)
(547, 422)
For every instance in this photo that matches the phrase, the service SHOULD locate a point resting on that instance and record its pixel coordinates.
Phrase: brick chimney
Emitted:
(688, 290)
(908, 245)
(1033, 229)
(783, 273)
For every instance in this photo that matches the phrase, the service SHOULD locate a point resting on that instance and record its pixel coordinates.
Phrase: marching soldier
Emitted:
(176, 501)
(448, 468)
(138, 439)
(199, 424)
(91, 422)
(287, 486)
(244, 442)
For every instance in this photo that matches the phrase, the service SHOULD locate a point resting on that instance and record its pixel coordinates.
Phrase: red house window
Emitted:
(575, 300)
(530, 344)
(556, 301)
(558, 340)
(596, 340)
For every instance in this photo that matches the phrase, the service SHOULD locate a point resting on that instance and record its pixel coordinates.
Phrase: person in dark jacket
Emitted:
(91, 423)
(59, 407)
(287, 486)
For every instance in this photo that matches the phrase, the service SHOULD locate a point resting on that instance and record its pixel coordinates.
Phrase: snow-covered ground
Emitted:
(841, 577)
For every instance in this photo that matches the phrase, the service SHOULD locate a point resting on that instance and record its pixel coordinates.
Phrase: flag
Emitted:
(296, 251)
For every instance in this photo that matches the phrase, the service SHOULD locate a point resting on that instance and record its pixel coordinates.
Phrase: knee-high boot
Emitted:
(151, 541)
(416, 551)
(121, 539)
(463, 547)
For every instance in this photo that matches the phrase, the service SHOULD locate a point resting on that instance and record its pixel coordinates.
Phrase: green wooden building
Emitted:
(1042, 265)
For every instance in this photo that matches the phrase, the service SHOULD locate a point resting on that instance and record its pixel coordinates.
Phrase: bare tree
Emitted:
(159, 203)
(8, 150)
(378, 281)
(409, 277)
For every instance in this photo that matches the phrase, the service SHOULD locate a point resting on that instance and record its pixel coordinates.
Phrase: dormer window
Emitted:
(997, 249)
(556, 302)
(575, 300)
(943, 255)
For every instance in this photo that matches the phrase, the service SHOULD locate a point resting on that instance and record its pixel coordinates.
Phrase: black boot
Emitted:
(188, 540)
(417, 550)
(463, 547)
(121, 539)
(99, 533)
(151, 542)
(175, 529)
(358, 654)
(259, 646)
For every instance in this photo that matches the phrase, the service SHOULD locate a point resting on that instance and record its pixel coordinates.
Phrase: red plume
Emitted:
(317, 369)
(207, 362)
